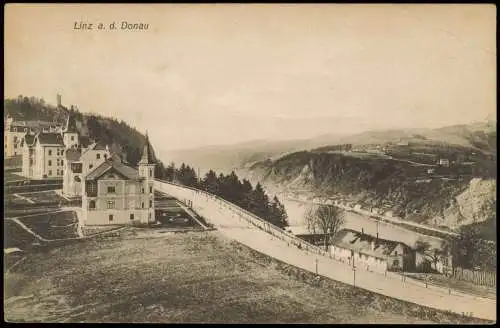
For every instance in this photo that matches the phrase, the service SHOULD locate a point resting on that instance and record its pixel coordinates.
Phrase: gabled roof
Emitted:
(97, 146)
(73, 154)
(358, 242)
(147, 153)
(113, 163)
(48, 138)
(29, 140)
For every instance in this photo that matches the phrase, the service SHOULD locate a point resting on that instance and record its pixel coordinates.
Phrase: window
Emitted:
(143, 190)
(62, 152)
(91, 166)
(50, 172)
(131, 216)
(72, 138)
(15, 139)
(57, 152)
(31, 161)
(110, 217)
(105, 156)
(57, 172)
(91, 188)
(110, 204)
(92, 205)
(150, 189)
(142, 205)
(111, 190)
(50, 152)
(62, 162)
(150, 172)
(98, 156)
(150, 203)
(395, 253)
(50, 162)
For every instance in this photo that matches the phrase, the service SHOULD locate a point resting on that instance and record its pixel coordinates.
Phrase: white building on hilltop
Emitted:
(43, 153)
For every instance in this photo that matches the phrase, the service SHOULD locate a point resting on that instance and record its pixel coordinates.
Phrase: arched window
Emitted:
(92, 205)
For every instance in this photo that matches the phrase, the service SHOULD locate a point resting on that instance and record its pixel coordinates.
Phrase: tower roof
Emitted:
(70, 125)
(148, 156)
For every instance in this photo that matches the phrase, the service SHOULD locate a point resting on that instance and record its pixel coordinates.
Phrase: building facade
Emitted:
(78, 163)
(115, 193)
(371, 253)
(14, 132)
(43, 154)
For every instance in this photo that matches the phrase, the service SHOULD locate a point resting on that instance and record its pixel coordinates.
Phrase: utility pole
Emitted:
(316, 265)
(354, 275)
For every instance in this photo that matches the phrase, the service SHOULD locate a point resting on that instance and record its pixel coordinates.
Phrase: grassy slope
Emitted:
(194, 277)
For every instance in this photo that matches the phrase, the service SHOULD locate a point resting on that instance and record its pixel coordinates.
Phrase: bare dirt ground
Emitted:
(188, 277)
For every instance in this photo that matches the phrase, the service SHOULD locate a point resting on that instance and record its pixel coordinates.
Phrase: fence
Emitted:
(189, 193)
(483, 278)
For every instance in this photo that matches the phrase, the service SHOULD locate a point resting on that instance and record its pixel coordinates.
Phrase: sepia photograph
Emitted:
(250, 163)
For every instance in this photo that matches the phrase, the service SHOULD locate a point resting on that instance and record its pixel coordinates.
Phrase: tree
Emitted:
(277, 214)
(431, 254)
(324, 219)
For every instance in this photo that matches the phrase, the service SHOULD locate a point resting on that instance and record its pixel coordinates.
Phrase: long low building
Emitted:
(371, 253)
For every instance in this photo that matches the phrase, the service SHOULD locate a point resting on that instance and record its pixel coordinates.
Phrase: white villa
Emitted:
(115, 193)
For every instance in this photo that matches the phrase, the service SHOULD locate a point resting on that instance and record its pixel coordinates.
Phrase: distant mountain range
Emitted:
(480, 136)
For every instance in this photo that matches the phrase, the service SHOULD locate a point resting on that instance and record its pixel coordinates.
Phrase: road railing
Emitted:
(190, 194)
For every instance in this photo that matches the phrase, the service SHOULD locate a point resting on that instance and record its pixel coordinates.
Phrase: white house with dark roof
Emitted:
(116, 193)
(43, 153)
(43, 156)
(370, 252)
(15, 130)
(78, 162)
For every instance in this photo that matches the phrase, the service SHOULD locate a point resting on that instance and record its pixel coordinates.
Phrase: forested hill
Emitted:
(121, 137)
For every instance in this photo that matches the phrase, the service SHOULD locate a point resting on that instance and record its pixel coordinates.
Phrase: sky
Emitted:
(205, 74)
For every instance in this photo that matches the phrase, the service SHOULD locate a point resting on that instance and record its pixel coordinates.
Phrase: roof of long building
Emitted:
(48, 138)
(361, 242)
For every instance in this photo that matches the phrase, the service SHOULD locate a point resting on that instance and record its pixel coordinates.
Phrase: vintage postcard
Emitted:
(250, 163)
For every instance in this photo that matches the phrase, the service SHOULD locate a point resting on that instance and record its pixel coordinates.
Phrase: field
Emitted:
(44, 197)
(59, 225)
(189, 277)
(170, 214)
(16, 236)
(12, 176)
(11, 200)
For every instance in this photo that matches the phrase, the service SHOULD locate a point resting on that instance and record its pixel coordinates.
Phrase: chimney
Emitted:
(377, 236)
(59, 100)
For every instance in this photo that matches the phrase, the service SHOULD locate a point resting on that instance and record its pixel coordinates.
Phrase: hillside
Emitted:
(121, 138)
(448, 196)
(479, 137)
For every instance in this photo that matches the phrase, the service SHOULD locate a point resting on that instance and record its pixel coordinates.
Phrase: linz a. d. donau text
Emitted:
(123, 25)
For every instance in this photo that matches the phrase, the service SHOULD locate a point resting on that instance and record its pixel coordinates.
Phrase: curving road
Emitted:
(231, 224)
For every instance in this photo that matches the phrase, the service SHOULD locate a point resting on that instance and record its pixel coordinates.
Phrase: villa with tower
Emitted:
(115, 193)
